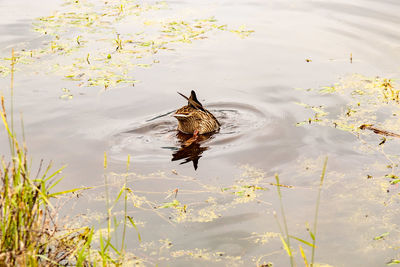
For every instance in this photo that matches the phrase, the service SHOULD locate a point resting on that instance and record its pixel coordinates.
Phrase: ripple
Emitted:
(154, 138)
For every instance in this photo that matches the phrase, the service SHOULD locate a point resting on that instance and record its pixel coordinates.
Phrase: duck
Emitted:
(194, 118)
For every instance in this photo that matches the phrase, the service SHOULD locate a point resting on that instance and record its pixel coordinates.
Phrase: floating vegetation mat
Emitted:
(249, 188)
(166, 207)
(371, 101)
(183, 220)
(371, 113)
(369, 110)
(101, 43)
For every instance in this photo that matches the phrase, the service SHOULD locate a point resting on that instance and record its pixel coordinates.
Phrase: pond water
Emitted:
(253, 85)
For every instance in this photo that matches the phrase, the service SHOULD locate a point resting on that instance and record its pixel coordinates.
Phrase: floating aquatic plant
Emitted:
(371, 113)
(85, 42)
(368, 97)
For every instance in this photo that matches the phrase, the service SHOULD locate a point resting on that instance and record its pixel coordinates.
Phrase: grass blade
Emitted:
(285, 246)
(314, 232)
(68, 191)
(134, 225)
(302, 241)
(303, 255)
(285, 227)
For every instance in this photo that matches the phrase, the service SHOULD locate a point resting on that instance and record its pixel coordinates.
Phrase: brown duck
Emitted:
(194, 118)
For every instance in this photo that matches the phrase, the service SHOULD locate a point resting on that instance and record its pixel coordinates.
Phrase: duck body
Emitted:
(194, 118)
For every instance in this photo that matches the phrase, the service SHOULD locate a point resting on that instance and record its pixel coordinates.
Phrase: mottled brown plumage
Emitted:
(194, 117)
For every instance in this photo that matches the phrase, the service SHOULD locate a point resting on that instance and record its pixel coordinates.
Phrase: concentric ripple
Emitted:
(156, 137)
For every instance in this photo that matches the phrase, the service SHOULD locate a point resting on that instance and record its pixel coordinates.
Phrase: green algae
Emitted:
(369, 102)
(4, 71)
(88, 44)
(367, 98)
(192, 202)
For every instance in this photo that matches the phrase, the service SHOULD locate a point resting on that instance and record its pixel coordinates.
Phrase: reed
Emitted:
(286, 237)
(110, 251)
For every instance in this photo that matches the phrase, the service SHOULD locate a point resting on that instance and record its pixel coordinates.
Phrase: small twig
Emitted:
(40, 168)
(282, 185)
(378, 131)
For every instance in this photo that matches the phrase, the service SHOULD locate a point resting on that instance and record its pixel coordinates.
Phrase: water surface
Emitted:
(252, 86)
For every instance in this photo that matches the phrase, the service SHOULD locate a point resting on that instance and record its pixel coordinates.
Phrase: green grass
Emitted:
(29, 235)
(29, 232)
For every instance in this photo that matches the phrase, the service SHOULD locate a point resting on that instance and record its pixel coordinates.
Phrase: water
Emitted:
(252, 86)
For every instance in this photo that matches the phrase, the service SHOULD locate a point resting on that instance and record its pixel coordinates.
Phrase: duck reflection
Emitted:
(191, 148)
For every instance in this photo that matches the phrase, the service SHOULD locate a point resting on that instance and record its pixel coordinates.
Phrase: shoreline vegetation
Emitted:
(31, 235)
